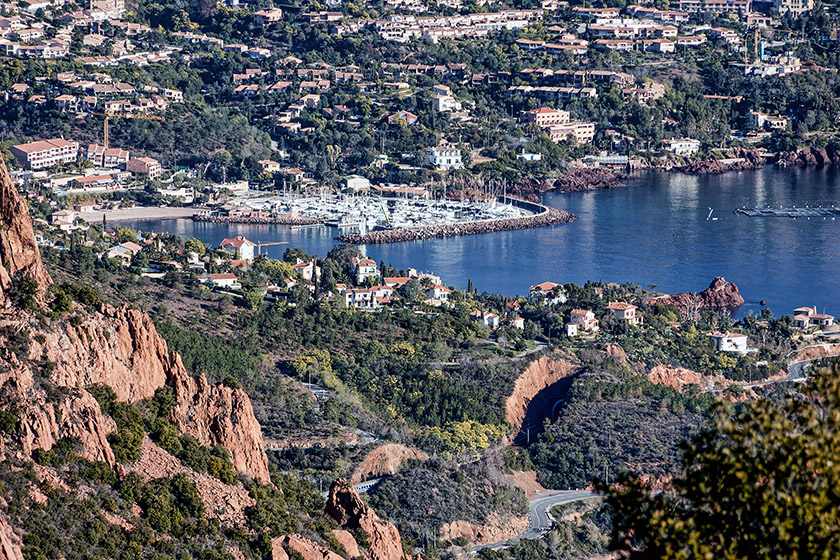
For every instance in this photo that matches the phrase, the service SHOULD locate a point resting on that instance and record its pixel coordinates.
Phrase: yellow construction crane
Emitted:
(385, 212)
(109, 116)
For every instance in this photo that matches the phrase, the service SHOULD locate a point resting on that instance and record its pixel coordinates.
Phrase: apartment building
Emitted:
(545, 116)
(42, 154)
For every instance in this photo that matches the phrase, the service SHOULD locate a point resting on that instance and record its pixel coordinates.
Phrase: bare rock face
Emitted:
(44, 419)
(219, 415)
(347, 508)
(348, 542)
(498, 527)
(681, 378)
(720, 295)
(224, 502)
(19, 255)
(45, 379)
(308, 549)
(540, 374)
(616, 352)
(277, 552)
(385, 460)
(9, 549)
(118, 347)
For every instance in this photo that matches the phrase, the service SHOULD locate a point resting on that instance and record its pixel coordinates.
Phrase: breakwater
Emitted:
(543, 218)
(278, 220)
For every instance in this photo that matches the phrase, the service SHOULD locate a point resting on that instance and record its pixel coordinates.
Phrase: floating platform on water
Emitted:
(793, 212)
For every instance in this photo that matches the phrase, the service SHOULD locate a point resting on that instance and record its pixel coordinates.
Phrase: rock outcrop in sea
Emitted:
(719, 296)
(810, 157)
(739, 159)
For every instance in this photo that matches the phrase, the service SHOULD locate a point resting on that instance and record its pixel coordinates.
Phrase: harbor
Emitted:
(364, 217)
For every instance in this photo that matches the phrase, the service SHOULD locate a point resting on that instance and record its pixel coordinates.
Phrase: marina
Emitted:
(792, 212)
(363, 214)
(626, 235)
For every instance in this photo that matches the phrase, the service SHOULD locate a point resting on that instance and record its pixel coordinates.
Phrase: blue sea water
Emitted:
(653, 232)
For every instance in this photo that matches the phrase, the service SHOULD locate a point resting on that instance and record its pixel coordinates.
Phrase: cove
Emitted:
(654, 231)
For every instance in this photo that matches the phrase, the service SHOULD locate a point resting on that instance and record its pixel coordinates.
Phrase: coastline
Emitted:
(136, 213)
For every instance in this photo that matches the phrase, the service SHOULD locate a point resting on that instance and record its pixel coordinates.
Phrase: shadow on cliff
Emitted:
(536, 394)
(545, 405)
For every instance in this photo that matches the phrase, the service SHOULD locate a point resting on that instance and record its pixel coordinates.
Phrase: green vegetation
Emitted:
(152, 416)
(759, 482)
(614, 422)
(423, 496)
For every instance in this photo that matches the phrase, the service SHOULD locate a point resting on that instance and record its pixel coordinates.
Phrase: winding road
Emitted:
(539, 516)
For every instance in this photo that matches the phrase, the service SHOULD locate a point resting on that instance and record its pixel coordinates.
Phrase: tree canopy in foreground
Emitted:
(763, 481)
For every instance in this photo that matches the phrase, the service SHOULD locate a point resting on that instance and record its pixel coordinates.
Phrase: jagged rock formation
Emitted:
(739, 159)
(348, 542)
(588, 179)
(347, 508)
(9, 548)
(307, 549)
(19, 255)
(817, 157)
(681, 378)
(47, 366)
(720, 295)
(219, 415)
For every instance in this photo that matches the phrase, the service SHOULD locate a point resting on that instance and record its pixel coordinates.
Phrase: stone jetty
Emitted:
(548, 217)
(279, 220)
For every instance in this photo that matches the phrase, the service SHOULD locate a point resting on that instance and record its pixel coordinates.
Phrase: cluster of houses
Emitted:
(94, 92)
(403, 28)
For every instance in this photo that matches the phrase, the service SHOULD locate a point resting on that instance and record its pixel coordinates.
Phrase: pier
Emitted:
(793, 212)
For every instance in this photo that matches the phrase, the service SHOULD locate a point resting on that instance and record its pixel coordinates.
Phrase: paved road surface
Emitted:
(538, 513)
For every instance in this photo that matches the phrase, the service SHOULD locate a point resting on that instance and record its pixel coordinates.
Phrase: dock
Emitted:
(792, 212)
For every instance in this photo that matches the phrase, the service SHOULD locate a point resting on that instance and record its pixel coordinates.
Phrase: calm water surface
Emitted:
(654, 232)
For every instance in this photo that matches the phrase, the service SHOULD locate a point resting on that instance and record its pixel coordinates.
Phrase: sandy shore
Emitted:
(138, 213)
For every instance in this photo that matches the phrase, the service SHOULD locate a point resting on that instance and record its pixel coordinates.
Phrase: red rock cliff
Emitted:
(346, 506)
(119, 347)
(19, 255)
(539, 375)
(720, 295)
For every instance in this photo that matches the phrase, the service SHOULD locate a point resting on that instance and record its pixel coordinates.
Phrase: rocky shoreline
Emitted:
(581, 179)
(550, 217)
(256, 221)
(754, 159)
